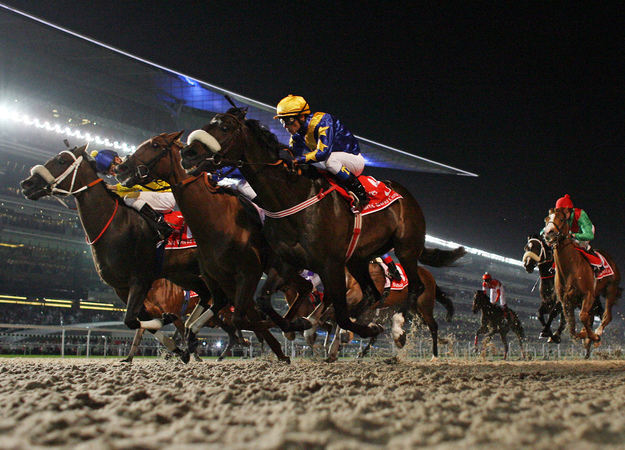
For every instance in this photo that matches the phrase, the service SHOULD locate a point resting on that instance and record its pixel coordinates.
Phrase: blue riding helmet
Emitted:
(104, 159)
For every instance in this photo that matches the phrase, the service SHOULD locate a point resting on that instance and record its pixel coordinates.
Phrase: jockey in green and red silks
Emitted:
(582, 229)
(322, 140)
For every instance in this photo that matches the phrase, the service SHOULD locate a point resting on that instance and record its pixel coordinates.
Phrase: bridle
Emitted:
(53, 182)
(143, 169)
(226, 145)
(559, 235)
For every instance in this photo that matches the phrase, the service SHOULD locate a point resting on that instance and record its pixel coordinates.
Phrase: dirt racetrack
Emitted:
(263, 404)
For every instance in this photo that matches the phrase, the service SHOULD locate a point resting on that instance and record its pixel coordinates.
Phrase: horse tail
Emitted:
(435, 257)
(446, 302)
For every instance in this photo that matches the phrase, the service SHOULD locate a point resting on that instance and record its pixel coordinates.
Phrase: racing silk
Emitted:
(495, 291)
(150, 187)
(322, 134)
(581, 226)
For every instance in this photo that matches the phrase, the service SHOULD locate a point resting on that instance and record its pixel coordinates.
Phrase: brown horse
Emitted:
(319, 234)
(122, 243)
(575, 281)
(493, 322)
(232, 249)
(538, 254)
(393, 307)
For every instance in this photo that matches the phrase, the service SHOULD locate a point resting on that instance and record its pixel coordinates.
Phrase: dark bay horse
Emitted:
(575, 283)
(121, 241)
(539, 254)
(493, 322)
(308, 224)
(232, 249)
(392, 307)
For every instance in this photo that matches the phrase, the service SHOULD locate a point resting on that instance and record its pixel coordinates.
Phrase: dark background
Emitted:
(529, 97)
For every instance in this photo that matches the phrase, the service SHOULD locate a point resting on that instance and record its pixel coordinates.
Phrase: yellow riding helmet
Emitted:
(292, 105)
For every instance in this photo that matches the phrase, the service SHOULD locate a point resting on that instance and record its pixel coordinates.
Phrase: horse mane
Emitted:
(265, 137)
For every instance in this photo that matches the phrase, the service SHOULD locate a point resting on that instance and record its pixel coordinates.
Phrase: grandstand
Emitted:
(57, 85)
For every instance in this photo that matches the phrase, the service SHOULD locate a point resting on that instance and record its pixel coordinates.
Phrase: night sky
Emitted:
(529, 98)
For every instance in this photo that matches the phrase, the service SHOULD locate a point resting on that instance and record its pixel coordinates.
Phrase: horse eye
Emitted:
(154, 145)
(224, 129)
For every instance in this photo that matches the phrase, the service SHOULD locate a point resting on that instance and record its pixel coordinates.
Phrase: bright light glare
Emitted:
(9, 114)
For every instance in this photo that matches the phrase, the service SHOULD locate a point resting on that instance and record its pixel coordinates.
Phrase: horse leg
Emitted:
(333, 279)
(273, 282)
(397, 329)
(425, 308)
(585, 318)
(505, 344)
(366, 348)
(481, 330)
(134, 305)
(134, 348)
(333, 349)
(612, 294)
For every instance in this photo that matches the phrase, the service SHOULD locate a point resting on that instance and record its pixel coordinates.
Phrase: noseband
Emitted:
(53, 182)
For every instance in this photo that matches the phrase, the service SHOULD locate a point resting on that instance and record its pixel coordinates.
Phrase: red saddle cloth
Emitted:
(380, 195)
(598, 261)
(394, 284)
(181, 237)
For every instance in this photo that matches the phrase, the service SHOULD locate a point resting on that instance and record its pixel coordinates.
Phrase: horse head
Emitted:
(534, 253)
(480, 299)
(228, 140)
(58, 176)
(148, 161)
(556, 226)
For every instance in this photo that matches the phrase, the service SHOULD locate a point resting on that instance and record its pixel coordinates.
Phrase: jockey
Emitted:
(494, 289)
(322, 140)
(151, 205)
(582, 229)
(234, 180)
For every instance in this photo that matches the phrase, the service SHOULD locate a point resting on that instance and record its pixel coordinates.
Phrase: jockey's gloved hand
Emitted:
(301, 159)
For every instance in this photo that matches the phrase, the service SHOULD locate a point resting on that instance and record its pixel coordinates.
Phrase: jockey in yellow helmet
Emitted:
(322, 140)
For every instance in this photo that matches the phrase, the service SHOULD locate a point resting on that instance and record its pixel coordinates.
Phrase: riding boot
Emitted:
(157, 222)
(393, 271)
(353, 186)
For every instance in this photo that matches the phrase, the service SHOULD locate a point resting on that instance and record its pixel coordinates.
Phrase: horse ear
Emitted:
(175, 136)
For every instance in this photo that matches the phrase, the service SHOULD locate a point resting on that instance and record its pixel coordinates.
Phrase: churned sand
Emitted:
(263, 404)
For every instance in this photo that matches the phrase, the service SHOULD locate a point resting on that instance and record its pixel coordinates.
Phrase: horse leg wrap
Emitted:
(199, 323)
(197, 312)
(154, 324)
(168, 342)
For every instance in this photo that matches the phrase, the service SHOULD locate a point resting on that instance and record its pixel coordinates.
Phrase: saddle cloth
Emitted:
(181, 237)
(598, 262)
(380, 195)
(391, 283)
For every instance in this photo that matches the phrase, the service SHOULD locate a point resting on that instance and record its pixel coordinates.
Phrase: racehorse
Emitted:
(390, 306)
(493, 322)
(308, 223)
(575, 283)
(539, 254)
(232, 249)
(122, 243)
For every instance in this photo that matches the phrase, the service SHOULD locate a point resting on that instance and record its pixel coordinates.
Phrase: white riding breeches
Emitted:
(354, 163)
(162, 202)
(239, 185)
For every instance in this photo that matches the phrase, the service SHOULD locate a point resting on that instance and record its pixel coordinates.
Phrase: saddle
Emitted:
(600, 265)
(381, 195)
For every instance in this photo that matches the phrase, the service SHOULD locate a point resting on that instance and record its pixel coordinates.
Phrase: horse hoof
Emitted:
(185, 357)
(400, 341)
(197, 357)
(544, 335)
(290, 335)
(286, 360)
(300, 324)
(127, 360)
(221, 358)
(376, 329)
(331, 359)
(434, 359)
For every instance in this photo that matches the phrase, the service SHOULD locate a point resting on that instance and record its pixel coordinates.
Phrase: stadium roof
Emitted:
(75, 81)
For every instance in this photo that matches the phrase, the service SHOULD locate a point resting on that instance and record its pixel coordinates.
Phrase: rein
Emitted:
(105, 226)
